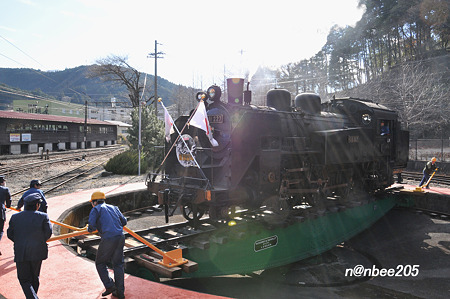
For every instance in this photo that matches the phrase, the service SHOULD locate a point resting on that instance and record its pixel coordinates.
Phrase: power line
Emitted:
(39, 73)
(12, 60)
(22, 51)
(24, 95)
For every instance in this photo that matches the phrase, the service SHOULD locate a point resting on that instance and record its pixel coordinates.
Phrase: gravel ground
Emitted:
(20, 181)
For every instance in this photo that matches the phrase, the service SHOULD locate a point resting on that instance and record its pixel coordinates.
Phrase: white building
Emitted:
(112, 112)
(122, 129)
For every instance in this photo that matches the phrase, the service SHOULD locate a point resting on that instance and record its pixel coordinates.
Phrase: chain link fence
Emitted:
(425, 149)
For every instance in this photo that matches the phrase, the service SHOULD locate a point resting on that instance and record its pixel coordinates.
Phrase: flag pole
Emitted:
(164, 160)
(184, 142)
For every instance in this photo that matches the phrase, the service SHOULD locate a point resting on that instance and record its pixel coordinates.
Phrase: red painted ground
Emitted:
(66, 275)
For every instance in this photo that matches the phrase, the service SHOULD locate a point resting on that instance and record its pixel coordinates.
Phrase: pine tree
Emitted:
(152, 135)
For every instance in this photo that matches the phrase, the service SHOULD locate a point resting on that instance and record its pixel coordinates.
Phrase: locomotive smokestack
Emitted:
(247, 95)
(235, 90)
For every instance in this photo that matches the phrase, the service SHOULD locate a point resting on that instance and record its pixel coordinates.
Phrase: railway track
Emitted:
(58, 180)
(21, 165)
(5, 158)
(166, 237)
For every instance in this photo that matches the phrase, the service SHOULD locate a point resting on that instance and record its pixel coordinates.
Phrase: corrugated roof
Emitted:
(118, 123)
(47, 117)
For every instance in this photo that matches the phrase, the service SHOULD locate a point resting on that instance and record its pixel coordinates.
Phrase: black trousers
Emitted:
(28, 275)
(2, 225)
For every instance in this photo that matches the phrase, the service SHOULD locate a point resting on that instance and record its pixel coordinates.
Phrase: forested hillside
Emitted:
(73, 83)
(397, 54)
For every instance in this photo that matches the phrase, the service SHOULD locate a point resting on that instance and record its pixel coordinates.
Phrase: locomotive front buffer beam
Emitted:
(198, 196)
(176, 195)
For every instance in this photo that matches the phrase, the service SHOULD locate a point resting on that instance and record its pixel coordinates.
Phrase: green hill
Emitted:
(72, 85)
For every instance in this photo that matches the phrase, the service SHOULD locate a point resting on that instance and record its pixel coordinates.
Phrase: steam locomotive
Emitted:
(278, 156)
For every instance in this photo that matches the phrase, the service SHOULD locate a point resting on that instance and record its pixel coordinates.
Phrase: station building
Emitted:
(23, 133)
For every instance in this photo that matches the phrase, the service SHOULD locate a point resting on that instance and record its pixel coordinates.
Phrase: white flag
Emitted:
(168, 122)
(200, 120)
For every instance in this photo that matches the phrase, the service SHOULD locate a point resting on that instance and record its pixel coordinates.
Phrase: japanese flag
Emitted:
(168, 123)
(200, 120)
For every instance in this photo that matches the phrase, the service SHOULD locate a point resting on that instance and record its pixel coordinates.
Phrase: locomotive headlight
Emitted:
(366, 118)
(201, 96)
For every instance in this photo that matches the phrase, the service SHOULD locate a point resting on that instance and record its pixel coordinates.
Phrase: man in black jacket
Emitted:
(30, 230)
(5, 202)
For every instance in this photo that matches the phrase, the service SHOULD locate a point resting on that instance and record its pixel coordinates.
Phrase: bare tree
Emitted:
(116, 69)
(420, 96)
(184, 98)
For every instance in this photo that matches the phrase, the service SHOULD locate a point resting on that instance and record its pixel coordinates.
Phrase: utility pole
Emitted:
(156, 55)
(140, 140)
(85, 122)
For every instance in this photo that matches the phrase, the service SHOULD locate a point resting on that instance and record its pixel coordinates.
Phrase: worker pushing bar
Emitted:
(170, 259)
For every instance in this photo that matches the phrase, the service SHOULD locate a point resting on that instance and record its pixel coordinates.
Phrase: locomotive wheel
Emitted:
(344, 193)
(279, 207)
(192, 212)
(318, 200)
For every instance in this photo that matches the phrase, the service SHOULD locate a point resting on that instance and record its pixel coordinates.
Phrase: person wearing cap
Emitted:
(5, 202)
(384, 129)
(29, 230)
(427, 171)
(35, 187)
(109, 222)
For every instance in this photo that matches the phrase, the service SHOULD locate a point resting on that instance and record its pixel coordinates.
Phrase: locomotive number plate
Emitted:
(185, 157)
(266, 243)
(352, 139)
(215, 119)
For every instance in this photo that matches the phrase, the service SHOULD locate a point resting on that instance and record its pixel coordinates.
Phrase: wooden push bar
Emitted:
(171, 258)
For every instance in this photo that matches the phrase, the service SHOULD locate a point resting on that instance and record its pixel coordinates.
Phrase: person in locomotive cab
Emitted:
(384, 129)
(427, 171)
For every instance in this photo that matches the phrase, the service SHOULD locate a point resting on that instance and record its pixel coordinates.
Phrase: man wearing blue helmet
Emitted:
(35, 187)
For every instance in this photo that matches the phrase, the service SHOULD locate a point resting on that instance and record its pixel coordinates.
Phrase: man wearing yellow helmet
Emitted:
(109, 222)
(427, 171)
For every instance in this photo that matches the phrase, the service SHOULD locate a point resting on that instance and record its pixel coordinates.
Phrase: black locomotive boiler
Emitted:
(278, 156)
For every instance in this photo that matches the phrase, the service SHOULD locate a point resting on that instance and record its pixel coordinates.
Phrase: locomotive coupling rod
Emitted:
(171, 258)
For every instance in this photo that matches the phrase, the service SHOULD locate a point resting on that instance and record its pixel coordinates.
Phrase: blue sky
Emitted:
(200, 38)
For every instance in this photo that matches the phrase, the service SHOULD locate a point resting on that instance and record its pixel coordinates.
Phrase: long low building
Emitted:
(22, 133)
